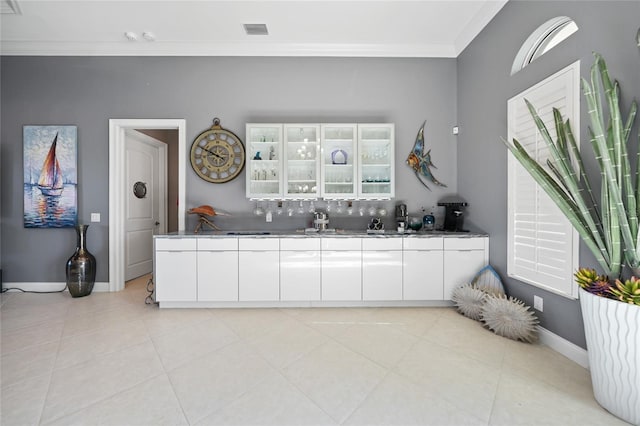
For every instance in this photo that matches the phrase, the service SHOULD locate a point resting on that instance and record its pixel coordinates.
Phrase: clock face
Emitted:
(217, 155)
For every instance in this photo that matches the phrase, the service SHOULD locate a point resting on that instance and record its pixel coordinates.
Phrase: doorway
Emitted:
(118, 190)
(145, 200)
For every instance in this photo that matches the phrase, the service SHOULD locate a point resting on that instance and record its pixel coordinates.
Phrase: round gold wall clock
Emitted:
(217, 155)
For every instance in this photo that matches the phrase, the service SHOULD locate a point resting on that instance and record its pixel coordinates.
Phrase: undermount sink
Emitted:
(248, 233)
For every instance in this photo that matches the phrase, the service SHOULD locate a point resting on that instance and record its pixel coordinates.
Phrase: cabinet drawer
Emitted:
(258, 244)
(175, 244)
(218, 244)
(464, 243)
(308, 244)
(419, 243)
(341, 243)
(385, 244)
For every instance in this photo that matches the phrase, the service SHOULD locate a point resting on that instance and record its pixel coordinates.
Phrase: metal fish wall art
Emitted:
(420, 161)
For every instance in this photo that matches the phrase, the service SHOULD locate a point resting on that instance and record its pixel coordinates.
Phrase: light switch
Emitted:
(95, 217)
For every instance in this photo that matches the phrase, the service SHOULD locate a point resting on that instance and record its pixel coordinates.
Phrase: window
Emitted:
(542, 247)
(544, 38)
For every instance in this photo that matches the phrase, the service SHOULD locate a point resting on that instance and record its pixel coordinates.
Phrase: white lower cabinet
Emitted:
(218, 269)
(382, 269)
(341, 269)
(463, 258)
(422, 269)
(300, 269)
(311, 269)
(175, 271)
(300, 275)
(258, 269)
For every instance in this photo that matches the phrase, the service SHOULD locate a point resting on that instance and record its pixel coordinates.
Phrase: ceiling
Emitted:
(359, 28)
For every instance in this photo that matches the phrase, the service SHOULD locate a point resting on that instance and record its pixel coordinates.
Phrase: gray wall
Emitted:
(484, 85)
(88, 91)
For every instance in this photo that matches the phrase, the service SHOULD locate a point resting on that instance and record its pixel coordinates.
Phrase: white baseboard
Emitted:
(572, 351)
(34, 286)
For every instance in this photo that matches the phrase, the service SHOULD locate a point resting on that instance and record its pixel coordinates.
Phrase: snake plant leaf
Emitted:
(584, 179)
(566, 173)
(608, 167)
(564, 203)
(610, 226)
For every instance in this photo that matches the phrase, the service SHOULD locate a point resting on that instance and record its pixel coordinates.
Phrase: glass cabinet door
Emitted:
(302, 145)
(264, 160)
(339, 143)
(376, 161)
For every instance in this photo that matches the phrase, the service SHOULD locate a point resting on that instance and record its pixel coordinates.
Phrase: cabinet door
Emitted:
(264, 160)
(259, 276)
(342, 275)
(218, 276)
(175, 274)
(302, 171)
(459, 268)
(300, 275)
(376, 173)
(381, 275)
(423, 276)
(338, 161)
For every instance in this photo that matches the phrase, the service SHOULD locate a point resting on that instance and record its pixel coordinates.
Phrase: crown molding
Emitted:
(161, 48)
(489, 10)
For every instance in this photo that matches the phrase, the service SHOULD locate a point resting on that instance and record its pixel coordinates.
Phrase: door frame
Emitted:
(117, 169)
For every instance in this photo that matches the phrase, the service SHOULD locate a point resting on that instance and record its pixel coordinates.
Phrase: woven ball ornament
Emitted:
(469, 300)
(510, 318)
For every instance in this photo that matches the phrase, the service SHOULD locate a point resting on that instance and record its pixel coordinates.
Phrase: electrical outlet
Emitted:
(269, 216)
(95, 217)
(537, 303)
(455, 130)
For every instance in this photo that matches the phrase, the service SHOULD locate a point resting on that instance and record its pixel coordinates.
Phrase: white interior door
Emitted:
(145, 201)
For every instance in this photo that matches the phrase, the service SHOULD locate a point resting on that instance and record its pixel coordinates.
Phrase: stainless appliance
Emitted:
(320, 220)
(401, 215)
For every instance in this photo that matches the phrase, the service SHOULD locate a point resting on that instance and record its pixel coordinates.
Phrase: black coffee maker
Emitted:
(453, 215)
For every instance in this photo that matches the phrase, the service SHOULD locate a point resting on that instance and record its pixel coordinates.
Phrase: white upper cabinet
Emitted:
(345, 161)
(264, 161)
(338, 163)
(376, 171)
(302, 162)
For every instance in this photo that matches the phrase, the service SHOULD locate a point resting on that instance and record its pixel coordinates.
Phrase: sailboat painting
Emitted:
(50, 176)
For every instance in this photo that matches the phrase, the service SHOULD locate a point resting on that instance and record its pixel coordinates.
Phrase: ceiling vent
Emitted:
(9, 7)
(255, 29)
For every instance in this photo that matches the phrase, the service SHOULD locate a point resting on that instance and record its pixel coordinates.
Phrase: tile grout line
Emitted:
(53, 365)
(103, 399)
(367, 396)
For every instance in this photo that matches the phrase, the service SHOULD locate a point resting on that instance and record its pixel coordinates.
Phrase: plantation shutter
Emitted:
(542, 246)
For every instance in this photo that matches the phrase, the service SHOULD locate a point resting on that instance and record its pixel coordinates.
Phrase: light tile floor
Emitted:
(109, 359)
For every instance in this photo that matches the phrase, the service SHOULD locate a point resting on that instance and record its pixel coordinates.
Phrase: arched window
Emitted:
(543, 39)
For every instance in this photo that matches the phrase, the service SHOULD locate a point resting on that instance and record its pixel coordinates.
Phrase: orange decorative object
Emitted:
(203, 212)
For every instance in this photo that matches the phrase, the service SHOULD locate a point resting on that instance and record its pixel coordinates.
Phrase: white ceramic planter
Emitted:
(612, 329)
